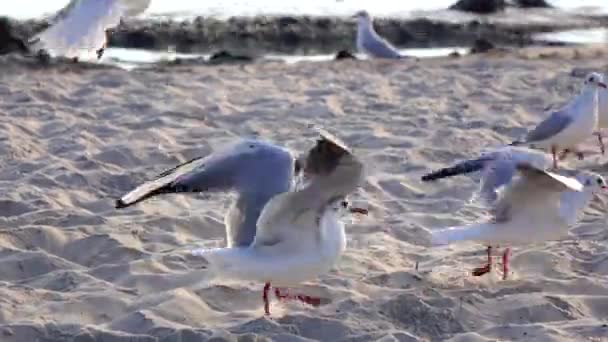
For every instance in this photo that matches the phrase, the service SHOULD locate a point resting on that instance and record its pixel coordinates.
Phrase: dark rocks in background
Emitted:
(532, 3)
(225, 57)
(344, 54)
(479, 6)
(138, 38)
(481, 46)
(297, 35)
(9, 41)
(306, 34)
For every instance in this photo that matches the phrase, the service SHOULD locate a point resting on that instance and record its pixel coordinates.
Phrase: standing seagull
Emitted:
(80, 28)
(536, 206)
(564, 129)
(274, 235)
(369, 42)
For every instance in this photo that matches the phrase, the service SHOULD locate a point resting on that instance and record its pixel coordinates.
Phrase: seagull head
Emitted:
(362, 17)
(595, 80)
(592, 182)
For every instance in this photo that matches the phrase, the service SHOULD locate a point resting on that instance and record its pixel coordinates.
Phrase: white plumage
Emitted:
(81, 31)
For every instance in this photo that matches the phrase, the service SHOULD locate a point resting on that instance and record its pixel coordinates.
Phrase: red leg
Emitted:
(265, 297)
(281, 296)
(578, 153)
(479, 271)
(554, 153)
(314, 301)
(505, 263)
(600, 141)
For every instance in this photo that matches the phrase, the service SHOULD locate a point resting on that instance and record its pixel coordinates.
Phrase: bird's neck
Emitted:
(572, 204)
(587, 100)
(364, 27)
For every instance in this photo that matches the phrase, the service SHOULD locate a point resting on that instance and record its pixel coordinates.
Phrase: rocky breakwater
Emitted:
(307, 34)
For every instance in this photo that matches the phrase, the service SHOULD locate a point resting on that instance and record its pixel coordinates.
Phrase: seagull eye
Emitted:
(251, 146)
(600, 181)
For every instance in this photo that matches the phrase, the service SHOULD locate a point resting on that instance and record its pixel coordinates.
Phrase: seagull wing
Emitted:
(379, 47)
(80, 28)
(548, 128)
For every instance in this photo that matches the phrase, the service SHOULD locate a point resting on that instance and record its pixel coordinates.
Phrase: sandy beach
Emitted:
(75, 137)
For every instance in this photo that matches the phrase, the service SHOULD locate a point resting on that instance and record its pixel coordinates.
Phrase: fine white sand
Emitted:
(73, 138)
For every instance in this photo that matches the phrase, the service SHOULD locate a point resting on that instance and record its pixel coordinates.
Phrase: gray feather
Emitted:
(550, 127)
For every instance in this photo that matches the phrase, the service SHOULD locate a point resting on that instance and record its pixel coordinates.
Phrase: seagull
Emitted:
(80, 28)
(564, 129)
(527, 203)
(369, 42)
(276, 234)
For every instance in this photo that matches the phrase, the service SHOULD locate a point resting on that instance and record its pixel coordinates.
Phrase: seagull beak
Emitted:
(602, 84)
(604, 187)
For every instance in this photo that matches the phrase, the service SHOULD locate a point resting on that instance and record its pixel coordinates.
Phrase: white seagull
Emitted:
(564, 129)
(369, 42)
(79, 31)
(275, 234)
(527, 203)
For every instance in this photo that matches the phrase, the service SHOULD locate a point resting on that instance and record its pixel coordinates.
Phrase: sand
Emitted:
(74, 138)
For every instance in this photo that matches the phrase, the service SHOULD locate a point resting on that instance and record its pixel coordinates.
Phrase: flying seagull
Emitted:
(79, 30)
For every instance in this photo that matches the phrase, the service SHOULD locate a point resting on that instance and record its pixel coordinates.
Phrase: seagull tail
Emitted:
(464, 167)
(473, 232)
(230, 262)
(165, 183)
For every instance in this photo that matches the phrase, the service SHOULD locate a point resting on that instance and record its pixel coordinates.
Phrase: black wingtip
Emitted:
(458, 169)
(119, 204)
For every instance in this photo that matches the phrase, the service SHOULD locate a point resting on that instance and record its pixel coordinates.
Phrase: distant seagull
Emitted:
(526, 202)
(566, 128)
(276, 233)
(79, 31)
(369, 42)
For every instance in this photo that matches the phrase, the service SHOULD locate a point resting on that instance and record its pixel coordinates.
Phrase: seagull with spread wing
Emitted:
(276, 234)
(526, 202)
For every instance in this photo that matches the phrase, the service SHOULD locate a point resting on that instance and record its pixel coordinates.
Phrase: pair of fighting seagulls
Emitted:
(284, 227)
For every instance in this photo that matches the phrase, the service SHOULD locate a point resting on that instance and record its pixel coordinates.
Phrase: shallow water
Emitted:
(133, 58)
(225, 8)
(591, 36)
